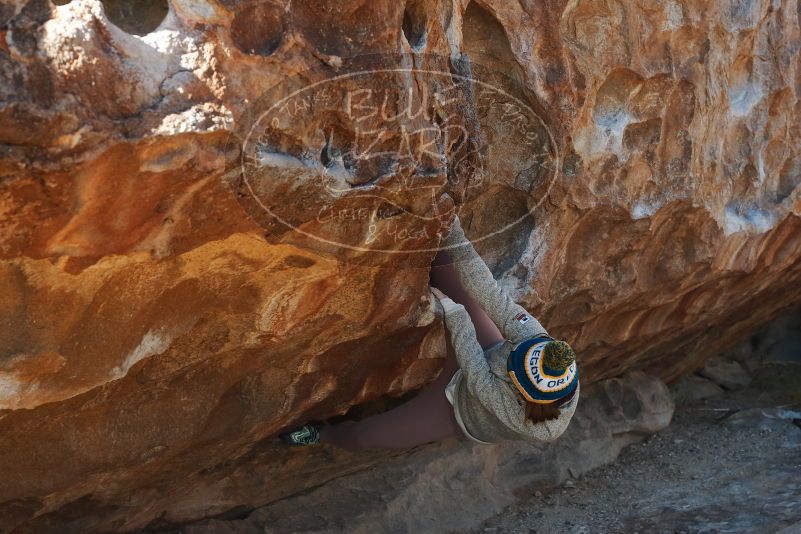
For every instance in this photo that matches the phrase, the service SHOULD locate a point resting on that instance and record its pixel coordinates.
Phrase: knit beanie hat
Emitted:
(544, 370)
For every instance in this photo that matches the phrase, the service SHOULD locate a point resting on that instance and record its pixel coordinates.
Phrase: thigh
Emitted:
(425, 418)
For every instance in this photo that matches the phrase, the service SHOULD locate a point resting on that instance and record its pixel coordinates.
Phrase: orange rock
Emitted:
(204, 240)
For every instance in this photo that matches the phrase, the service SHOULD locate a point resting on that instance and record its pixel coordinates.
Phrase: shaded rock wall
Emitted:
(454, 486)
(157, 328)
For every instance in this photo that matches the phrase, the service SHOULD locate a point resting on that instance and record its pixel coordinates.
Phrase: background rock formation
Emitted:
(414, 492)
(156, 332)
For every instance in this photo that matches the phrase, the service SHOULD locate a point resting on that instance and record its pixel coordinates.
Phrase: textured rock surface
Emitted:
(155, 333)
(692, 388)
(726, 373)
(411, 493)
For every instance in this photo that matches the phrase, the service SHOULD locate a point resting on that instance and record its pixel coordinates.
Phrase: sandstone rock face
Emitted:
(726, 373)
(183, 275)
(410, 493)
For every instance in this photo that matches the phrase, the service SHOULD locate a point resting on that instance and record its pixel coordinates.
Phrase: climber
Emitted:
(516, 383)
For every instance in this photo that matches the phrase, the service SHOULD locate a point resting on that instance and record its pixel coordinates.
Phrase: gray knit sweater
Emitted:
(486, 402)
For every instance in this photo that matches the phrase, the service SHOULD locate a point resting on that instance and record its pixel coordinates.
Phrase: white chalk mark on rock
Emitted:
(9, 391)
(747, 219)
(152, 343)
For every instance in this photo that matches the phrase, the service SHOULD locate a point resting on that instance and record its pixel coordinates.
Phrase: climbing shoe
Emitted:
(305, 435)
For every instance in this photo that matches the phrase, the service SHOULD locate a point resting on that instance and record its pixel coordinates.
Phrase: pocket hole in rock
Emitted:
(414, 25)
(258, 29)
(137, 17)
(60, 2)
(388, 210)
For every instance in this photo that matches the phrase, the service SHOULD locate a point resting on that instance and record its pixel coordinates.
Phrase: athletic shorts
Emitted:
(450, 391)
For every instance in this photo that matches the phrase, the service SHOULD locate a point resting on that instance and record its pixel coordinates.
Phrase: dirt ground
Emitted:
(729, 464)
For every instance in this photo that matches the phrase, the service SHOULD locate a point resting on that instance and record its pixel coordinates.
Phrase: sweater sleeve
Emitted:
(515, 323)
(479, 379)
(469, 353)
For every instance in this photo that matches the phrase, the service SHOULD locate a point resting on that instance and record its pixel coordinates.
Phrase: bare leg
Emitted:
(428, 416)
(443, 276)
(425, 418)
